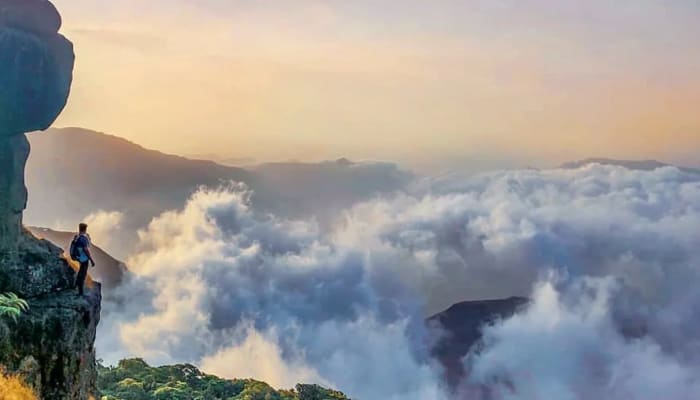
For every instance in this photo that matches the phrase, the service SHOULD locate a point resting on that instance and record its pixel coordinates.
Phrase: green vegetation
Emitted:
(12, 306)
(135, 380)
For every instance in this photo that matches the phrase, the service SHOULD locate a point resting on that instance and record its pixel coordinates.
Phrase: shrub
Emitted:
(12, 306)
(13, 388)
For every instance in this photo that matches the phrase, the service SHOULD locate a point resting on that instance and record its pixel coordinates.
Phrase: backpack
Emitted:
(74, 252)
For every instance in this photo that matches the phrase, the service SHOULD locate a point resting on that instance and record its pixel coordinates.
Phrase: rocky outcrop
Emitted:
(461, 329)
(36, 71)
(51, 345)
(109, 271)
(14, 151)
(36, 66)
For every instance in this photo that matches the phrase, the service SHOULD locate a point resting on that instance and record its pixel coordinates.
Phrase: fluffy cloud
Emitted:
(103, 225)
(259, 356)
(223, 286)
(574, 351)
(221, 283)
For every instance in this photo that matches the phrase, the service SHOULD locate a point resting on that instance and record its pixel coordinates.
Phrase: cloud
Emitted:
(259, 356)
(219, 284)
(574, 351)
(223, 282)
(103, 225)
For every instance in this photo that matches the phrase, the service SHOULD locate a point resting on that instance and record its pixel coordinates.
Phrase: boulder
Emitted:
(36, 72)
(52, 345)
(38, 16)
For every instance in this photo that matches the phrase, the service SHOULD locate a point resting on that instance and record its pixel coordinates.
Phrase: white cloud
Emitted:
(103, 225)
(259, 357)
(221, 285)
(574, 351)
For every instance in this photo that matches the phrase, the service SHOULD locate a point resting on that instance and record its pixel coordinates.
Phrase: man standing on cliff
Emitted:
(80, 252)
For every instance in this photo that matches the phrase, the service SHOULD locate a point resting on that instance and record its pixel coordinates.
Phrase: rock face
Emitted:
(14, 151)
(51, 345)
(36, 71)
(109, 271)
(36, 66)
(462, 324)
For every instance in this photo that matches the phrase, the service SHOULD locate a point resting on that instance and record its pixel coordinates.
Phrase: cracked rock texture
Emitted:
(51, 345)
(36, 71)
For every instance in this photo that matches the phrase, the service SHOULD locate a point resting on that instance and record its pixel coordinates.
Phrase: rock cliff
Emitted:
(36, 71)
(461, 327)
(51, 345)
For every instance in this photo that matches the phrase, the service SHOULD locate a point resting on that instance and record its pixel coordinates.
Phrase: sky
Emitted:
(438, 84)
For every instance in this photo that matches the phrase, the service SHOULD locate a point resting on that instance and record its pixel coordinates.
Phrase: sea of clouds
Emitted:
(609, 256)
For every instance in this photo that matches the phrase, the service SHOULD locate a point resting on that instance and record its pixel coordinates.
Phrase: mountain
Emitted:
(134, 379)
(460, 327)
(108, 270)
(642, 165)
(229, 161)
(75, 172)
(322, 189)
(78, 171)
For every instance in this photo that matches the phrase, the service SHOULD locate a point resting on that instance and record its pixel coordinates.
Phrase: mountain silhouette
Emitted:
(641, 165)
(87, 170)
(75, 172)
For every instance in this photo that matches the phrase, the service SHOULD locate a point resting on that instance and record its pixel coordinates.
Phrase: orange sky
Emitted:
(424, 83)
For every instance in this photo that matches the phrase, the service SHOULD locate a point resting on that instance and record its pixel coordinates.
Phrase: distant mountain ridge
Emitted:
(641, 165)
(310, 188)
(79, 172)
(89, 168)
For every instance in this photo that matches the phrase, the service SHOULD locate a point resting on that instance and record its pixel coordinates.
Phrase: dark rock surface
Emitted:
(52, 344)
(36, 66)
(39, 16)
(109, 271)
(13, 193)
(36, 71)
(462, 325)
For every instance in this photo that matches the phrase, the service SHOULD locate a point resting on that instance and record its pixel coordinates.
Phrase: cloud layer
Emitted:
(611, 253)
(573, 351)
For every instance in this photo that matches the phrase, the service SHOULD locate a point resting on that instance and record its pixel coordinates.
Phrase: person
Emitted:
(81, 244)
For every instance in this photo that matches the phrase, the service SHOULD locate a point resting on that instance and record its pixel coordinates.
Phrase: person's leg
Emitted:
(80, 280)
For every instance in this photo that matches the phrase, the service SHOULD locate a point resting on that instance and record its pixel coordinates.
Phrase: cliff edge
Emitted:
(52, 344)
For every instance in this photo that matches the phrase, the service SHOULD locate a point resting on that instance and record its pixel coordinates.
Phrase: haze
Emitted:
(435, 84)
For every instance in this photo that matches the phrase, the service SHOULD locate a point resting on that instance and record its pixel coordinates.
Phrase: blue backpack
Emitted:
(74, 251)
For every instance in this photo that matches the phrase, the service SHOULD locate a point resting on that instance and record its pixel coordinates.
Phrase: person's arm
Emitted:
(87, 253)
(86, 249)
